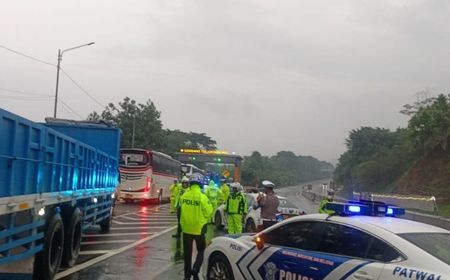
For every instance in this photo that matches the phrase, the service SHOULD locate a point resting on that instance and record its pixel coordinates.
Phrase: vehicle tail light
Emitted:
(148, 185)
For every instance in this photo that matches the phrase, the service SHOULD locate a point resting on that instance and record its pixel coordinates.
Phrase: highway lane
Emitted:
(294, 194)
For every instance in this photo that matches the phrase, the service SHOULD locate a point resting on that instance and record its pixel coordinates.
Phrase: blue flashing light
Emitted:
(354, 209)
(365, 208)
(390, 211)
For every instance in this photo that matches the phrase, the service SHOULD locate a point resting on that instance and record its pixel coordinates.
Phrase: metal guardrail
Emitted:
(423, 203)
(409, 215)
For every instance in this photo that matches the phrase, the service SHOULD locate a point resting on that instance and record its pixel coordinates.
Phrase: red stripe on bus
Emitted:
(134, 170)
(140, 170)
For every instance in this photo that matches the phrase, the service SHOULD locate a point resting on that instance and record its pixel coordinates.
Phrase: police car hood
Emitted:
(235, 236)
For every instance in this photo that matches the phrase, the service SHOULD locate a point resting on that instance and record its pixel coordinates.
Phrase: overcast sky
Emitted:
(254, 75)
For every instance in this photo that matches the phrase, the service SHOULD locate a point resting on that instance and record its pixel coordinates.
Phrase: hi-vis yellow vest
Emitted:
(195, 211)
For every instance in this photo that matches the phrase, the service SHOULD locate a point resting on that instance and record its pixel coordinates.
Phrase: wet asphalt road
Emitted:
(140, 244)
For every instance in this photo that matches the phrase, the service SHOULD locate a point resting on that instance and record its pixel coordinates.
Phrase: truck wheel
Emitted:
(219, 268)
(106, 224)
(72, 240)
(48, 261)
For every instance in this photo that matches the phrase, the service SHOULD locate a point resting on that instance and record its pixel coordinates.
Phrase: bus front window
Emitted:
(133, 159)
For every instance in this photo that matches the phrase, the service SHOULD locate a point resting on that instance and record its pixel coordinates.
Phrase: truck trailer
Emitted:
(56, 180)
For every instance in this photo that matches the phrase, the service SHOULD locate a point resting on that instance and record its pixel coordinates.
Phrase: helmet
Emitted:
(197, 178)
(268, 184)
(235, 187)
(185, 179)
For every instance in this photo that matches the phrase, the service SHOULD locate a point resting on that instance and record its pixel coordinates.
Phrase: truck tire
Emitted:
(72, 240)
(106, 224)
(48, 261)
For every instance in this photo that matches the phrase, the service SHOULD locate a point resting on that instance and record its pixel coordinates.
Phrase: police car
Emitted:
(253, 218)
(360, 241)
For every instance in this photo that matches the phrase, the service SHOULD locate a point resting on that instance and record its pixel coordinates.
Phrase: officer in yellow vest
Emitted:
(213, 193)
(195, 214)
(323, 203)
(173, 194)
(225, 190)
(236, 208)
(179, 191)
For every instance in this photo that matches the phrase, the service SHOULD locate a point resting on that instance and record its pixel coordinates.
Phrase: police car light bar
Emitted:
(365, 208)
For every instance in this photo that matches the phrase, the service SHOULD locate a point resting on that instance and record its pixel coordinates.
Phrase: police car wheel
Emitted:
(219, 268)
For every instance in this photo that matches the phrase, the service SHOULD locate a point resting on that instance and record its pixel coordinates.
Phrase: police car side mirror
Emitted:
(259, 242)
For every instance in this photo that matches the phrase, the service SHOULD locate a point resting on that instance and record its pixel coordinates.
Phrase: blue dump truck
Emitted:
(56, 180)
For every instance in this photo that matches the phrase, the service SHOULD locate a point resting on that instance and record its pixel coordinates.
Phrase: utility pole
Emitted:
(58, 67)
(134, 130)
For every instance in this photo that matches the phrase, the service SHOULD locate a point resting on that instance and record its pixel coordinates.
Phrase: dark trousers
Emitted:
(188, 239)
(178, 218)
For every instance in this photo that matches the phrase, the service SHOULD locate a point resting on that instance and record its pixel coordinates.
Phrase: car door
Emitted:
(354, 250)
(287, 252)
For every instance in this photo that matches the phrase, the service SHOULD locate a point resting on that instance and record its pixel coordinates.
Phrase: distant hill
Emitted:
(430, 175)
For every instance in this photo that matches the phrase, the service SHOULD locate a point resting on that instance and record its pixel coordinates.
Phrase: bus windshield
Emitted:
(133, 159)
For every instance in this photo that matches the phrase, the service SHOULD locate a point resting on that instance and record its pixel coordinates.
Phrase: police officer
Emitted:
(225, 190)
(269, 204)
(236, 208)
(173, 194)
(323, 203)
(180, 190)
(213, 193)
(195, 213)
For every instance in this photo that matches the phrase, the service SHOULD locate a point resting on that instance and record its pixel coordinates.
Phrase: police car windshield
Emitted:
(436, 244)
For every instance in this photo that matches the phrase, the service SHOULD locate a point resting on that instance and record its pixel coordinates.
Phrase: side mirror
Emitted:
(259, 243)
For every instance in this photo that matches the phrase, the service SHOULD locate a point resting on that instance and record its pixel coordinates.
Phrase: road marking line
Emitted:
(149, 218)
(139, 228)
(118, 234)
(107, 242)
(95, 252)
(110, 254)
(145, 223)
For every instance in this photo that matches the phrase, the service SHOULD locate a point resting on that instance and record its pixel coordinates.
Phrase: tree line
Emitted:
(144, 119)
(376, 158)
(285, 168)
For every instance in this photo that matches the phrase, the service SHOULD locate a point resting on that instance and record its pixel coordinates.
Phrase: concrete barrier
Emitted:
(427, 219)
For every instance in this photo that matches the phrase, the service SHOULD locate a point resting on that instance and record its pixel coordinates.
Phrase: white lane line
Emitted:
(110, 254)
(118, 234)
(107, 242)
(95, 252)
(146, 219)
(138, 228)
(145, 223)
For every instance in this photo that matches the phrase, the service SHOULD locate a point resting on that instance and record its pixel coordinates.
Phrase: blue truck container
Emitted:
(56, 180)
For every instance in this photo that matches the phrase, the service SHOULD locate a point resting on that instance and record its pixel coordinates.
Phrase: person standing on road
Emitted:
(236, 208)
(173, 193)
(181, 189)
(324, 202)
(195, 214)
(269, 205)
(225, 190)
(213, 193)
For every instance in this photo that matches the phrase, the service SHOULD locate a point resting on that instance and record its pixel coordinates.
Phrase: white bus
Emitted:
(146, 175)
(189, 169)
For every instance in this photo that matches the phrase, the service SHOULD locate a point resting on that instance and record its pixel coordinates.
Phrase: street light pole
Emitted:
(134, 130)
(60, 53)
